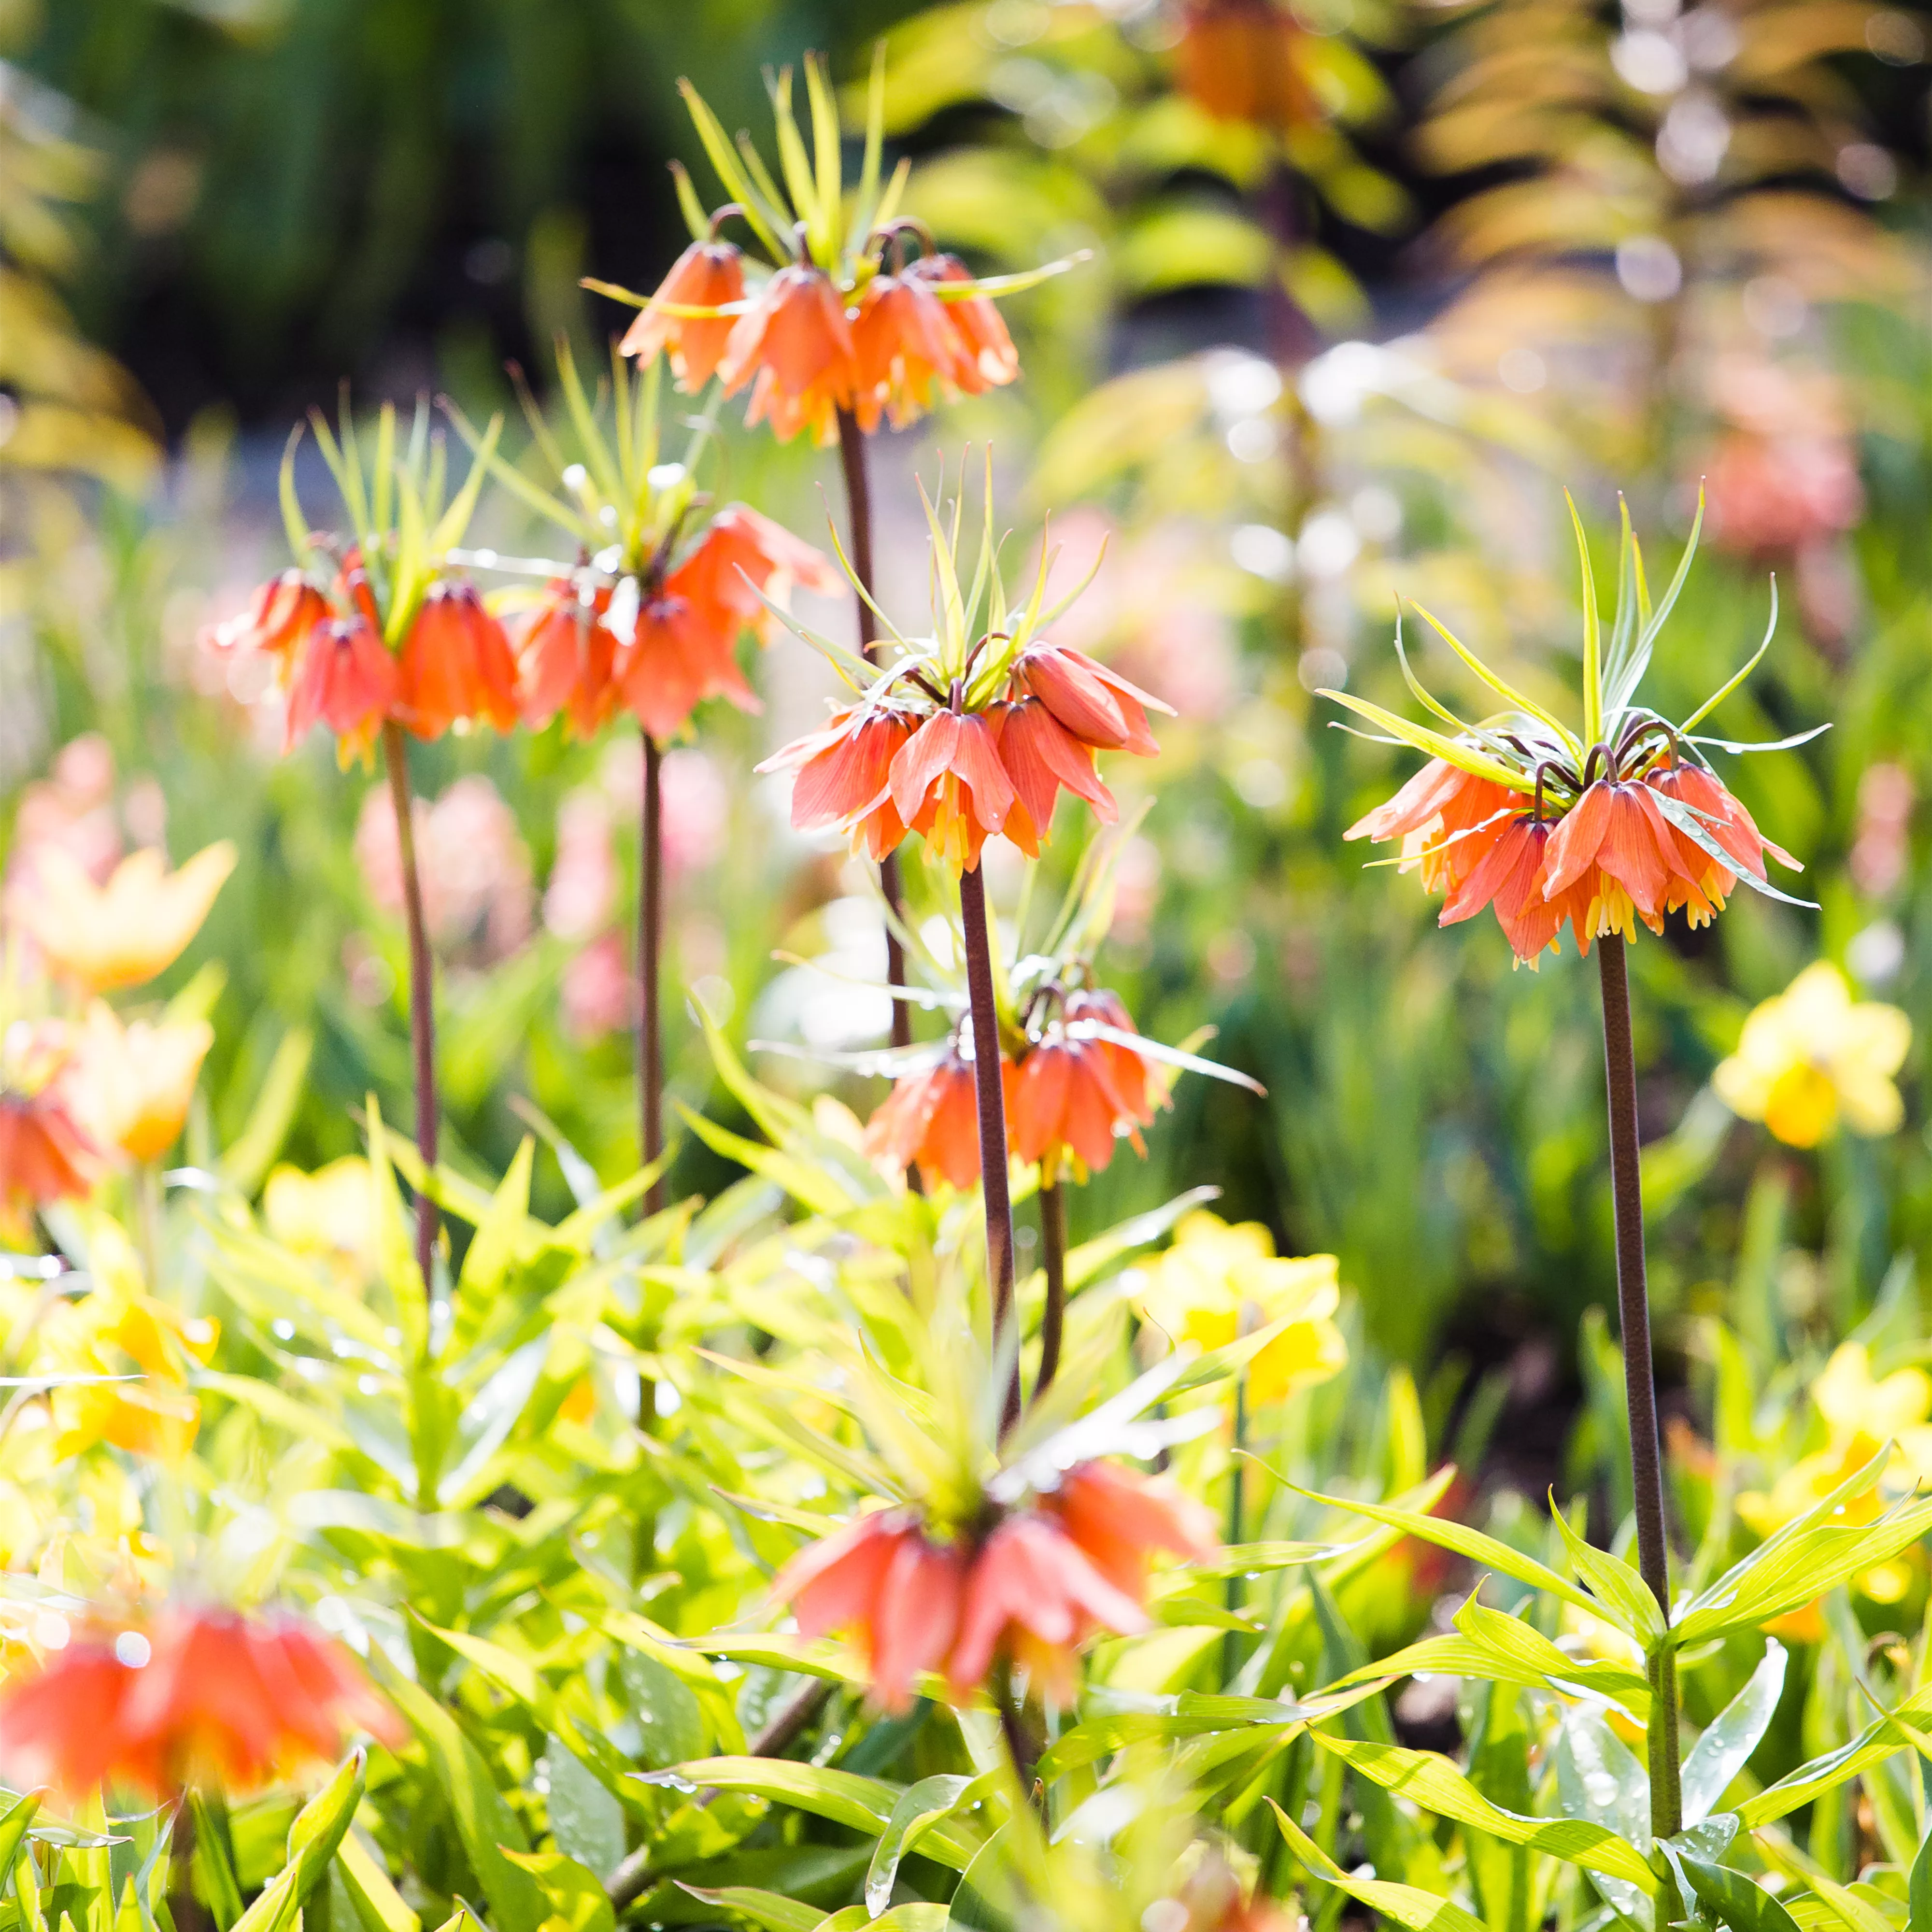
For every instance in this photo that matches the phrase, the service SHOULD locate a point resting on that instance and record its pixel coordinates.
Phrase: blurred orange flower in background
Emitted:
(204, 1698)
(46, 1155)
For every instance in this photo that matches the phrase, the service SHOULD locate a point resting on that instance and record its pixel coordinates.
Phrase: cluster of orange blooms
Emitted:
(1028, 1589)
(459, 665)
(1611, 858)
(915, 759)
(199, 1697)
(1068, 1096)
(887, 353)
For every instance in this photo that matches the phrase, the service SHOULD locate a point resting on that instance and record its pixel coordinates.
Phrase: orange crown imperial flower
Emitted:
(931, 1118)
(830, 330)
(1625, 822)
(970, 732)
(567, 654)
(457, 666)
(1078, 1089)
(1028, 1584)
(200, 1697)
(392, 637)
(46, 1155)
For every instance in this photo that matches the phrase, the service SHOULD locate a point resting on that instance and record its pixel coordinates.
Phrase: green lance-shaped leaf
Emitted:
(578, 1901)
(1731, 1898)
(1879, 1740)
(1435, 744)
(1433, 1783)
(1407, 1905)
(1623, 1597)
(863, 1804)
(1720, 1754)
(318, 1830)
(484, 1823)
(1826, 1555)
(379, 1907)
(1919, 1889)
(766, 1908)
(1472, 1543)
(920, 1806)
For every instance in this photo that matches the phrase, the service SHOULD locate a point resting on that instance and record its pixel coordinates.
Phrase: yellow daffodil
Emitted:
(1217, 1282)
(133, 1084)
(1812, 1056)
(117, 1330)
(330, 1214)
(1860, 1415)
(123, 933)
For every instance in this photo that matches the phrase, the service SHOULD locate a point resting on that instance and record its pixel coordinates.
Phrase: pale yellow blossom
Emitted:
(1813, 1056)
(1218, 1282)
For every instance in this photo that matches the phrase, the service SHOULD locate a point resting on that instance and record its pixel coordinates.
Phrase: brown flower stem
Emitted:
(422, 990)
(858, 510)
(1666, 1807)
(1231, 1648)
(988, 1091)
(1053, 1257)
(1019, 1747)
(781, 1730)
(650, 959)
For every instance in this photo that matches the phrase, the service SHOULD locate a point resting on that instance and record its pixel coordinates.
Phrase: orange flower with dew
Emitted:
(46, 1154)
(125, 932)
(457, 666)
(931, 1117)
(794, 346)
(710, 275)
(133, 1084)
(898, 1594)
(277, 621)
(202, 1699)
(569, 656)
(1075, 1093)
(346, 679)
(1596, 829)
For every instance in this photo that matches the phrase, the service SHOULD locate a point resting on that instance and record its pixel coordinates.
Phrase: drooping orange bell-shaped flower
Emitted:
(708, 274)
(794, 347)
(457, 666)
(201, 1697)
(567, 657)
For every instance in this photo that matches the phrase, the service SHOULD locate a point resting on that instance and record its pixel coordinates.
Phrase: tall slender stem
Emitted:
(1639, 1378)
(650, 958)
(1053, 1257)
(858, 510)
(422, 990)
(1231, 1645)
(992, 1099)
